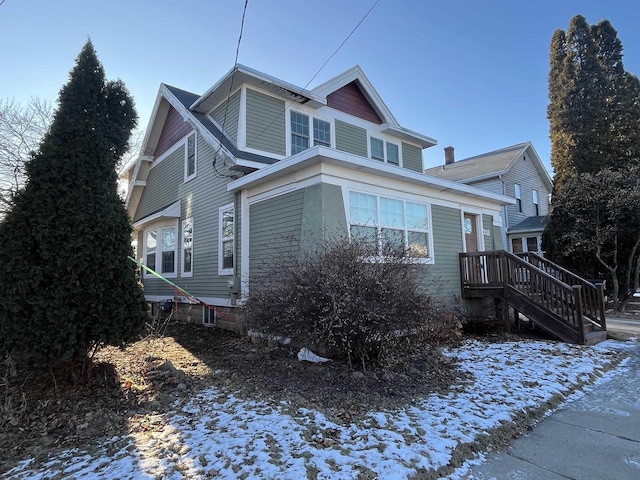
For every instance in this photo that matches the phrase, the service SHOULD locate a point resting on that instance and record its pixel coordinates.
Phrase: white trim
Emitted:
(183, 247)
(172, 211)
(244, 244)
(221, 240)
(241, 141)
(195, 157)
(324, 155)
(181, 143)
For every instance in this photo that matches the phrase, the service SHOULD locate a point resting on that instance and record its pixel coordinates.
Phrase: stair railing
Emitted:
(520, 277)
(592, 295)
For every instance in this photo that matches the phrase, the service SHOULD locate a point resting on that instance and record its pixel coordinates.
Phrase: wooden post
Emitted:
(603, 318)
(577, 294)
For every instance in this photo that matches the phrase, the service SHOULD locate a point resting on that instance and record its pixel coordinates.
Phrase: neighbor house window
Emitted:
(187, 247)
(190, 158)
(299, 132)
(226, 240)
(516, 245)
(161, 250)
(532, 244)
(389, 226)
(208, 316)
(536, 206)
(518, 197)
(321, 132)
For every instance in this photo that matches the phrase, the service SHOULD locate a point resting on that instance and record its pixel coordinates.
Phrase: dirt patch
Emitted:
(43, 414)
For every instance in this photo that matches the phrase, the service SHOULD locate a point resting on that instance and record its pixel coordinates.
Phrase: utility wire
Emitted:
(226, 108)
(319, 70)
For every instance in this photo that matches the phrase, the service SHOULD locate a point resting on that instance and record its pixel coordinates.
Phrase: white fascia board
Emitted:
(251, 164)
(544, 174)
(319, 154)
(406, 134)
(244, 74)
(172, 211)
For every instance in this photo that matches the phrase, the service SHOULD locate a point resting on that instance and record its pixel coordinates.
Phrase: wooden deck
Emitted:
(557, 300)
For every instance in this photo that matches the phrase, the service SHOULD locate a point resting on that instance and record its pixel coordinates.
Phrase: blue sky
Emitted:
(472, 74)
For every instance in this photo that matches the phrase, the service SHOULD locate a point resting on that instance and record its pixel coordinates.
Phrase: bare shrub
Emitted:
(354, 305)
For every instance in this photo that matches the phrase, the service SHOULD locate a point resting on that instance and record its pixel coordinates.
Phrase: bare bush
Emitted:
(353, 305)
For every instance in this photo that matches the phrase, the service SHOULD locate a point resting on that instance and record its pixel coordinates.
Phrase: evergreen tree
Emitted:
(67, 286)
(594, 116)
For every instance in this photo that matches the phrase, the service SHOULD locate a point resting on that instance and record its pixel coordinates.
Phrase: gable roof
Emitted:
(489, 165)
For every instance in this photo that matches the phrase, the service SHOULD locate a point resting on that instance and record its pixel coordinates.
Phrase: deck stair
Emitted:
(560, 302)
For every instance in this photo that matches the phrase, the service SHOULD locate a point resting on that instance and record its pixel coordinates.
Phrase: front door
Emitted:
(470, 233)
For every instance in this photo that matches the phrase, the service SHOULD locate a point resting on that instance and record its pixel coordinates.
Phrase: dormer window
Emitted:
(377, 151)
(300, 133)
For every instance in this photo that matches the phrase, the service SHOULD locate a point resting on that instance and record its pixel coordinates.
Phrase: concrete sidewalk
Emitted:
(594, 437)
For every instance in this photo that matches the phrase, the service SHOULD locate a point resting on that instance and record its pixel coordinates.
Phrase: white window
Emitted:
(160, 246)
(377, 149)
(209, 316)
(190, 158)
(390, 154)
(299, 132)
(518, 197)
(390, 226)
(302, 137)
(226, 232)
(187, 247)
(393, 156)
(321, 132)
(536, 206)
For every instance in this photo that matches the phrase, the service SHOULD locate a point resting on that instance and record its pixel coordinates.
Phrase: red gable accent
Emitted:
(174, 129)
(350, 99)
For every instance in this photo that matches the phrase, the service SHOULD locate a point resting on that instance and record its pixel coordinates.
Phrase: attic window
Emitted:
(190, 158)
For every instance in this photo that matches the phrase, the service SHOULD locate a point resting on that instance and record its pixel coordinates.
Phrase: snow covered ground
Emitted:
(218, 435)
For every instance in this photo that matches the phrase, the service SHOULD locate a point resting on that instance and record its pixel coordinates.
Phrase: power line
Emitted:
(319, 70)
(226, 108)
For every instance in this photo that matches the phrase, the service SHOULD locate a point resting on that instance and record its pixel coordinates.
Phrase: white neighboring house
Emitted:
(514, 171)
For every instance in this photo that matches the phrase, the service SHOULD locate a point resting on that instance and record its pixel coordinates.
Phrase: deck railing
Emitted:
(548, 285)
(592, 295)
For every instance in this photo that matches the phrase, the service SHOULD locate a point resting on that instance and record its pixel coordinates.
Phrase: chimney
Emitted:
(449, 157)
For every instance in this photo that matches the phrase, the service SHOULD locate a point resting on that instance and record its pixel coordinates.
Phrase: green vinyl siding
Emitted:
(447, 243)
(350, 138)
(265, 123)
(412, 157)
(200, 200)
(163, 184)
(233, 114)
(487, 227)
(274, 231)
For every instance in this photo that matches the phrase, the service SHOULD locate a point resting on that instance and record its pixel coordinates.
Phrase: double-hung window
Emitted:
(384, 151)
(518, 192)
(302, 137)
(187, 247)
(226, 234)
(299, 132)
(190, 157)
(161, 250)
(536, 205)
(389, 226)
(321, 132)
